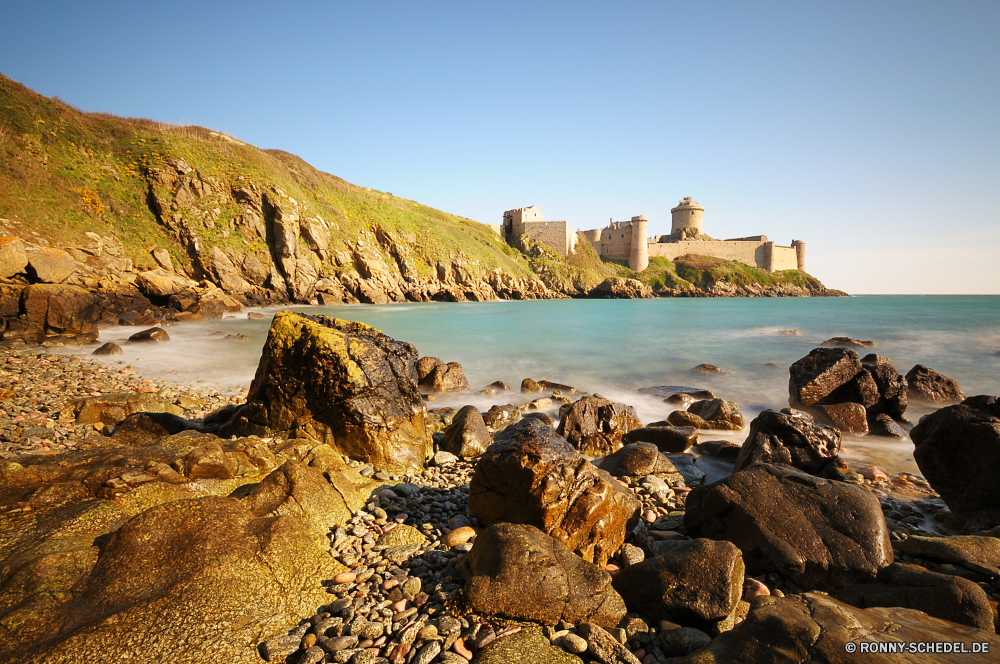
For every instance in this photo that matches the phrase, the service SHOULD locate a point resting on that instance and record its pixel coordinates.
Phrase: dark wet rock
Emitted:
(682, 641)
(667, 438)
(717, 414)
(519, 572)
(638, 460)
(687, 465)
(668, 392)
(819, 533)
(528, 385)
(849, 342)
(528, 645)
(817, 377)
(619, 288)
(697, 583)
(721, 449)
(812, 628)
(152, 335)
(785, 440)
(59, 309)
(967, 550)
(425, 365)
(707, 369)
(892, 387)
(467, 436)
(532, 475)
(883, 425)
(943, 596)
(957, 449)
(446, 378)
(845, 417)
(140, 429)
(544, 418)
(595, 425)
(557, 387)
(110, 348)
(339, 382)
(499, 417)
(925, 384)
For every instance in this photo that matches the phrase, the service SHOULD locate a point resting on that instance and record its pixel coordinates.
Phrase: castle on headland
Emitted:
(627, 240)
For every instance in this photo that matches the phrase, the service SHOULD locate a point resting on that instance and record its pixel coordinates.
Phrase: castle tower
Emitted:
(687, 214)
(638, 251)
(800, 254)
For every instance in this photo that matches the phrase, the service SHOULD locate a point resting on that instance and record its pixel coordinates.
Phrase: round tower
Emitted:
(687, 214)
(800, 254)
(638, 251)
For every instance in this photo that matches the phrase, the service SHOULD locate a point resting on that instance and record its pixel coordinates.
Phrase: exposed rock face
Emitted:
(59, 309)
(446, 378)
(13, 260)
(595, 425)
(709, 414)
(811, 628)
(943, 596)
(182, 566)
(957, 449)
(787, 440)
(50, 266)
(846, 417)
(341, 382)
(531, 475)
(819, 375)
(161, 283)
(467, 436)
(638, 460)
(925, 384)
(670, 439)
(696, 583)
(617, 287)
(519, 572)
(819, 533)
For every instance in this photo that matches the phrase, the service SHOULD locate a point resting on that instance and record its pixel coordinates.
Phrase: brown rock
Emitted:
(638, 460)
(531, 475)
(140, 429)
(152, 335)
(60, 309)
(848, 341)
(846, 417)
(13, 259)
(696, 583)
(528, 385)
(925, 384)
(595, 425)
(50, 266)
(817, 376)
(467, 436)
(114, 407)
(425, 365)
(110, 348)
(446, 378)
(789, 441)
(819, 533)
(520, 572)
(670, 439)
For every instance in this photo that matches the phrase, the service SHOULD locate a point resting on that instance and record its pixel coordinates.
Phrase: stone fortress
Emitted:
(627, 240)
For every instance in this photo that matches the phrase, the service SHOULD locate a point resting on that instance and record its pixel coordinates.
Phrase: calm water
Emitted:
(615, 347)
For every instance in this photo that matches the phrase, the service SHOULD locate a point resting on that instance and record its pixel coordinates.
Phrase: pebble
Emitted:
(650, 516)
(752, 588)
(873, 474)
(459, 647)
(459, 536)
(574, 644)
(345, 577)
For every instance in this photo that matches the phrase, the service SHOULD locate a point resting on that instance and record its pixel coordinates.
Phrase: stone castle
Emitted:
(627, 240)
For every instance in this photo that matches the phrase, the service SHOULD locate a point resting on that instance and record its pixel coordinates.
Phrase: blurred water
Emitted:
(615, 347)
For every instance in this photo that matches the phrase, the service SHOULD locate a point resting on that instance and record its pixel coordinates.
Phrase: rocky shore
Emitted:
(331, 514)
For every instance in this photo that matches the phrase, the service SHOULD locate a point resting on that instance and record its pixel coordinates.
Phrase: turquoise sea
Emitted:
(616, 347)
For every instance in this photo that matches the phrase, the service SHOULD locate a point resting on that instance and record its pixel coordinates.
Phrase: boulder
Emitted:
(110, 348)
(341, 382)
(114, 407)
(943, 596)
(976, 552)
(697, 583)
(533, 476)
(883, 425)
(13, 260)
(617, 287)
(425, 365)
(925, 384)
(520, 573)
(819, 533)
(957, 449)
(845, 417)
(50, 266)
(467, 436)
(717, 414)
(639, 460)
(817, 376)
(603, 646)
(595, 425)
(527, 645)
(787, 440)
(60, 309)
(141, 429)
(499, 417)
(892, 387)
(667, 438)
(190, 580)
(154, 335)
(159, 283)
(848, 341)
(813, 628)
(446, 378)
(528, 385)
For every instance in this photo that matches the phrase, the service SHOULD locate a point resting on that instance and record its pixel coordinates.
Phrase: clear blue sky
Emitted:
(870, 130)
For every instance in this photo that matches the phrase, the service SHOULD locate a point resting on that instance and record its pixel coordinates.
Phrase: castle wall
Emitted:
(555, 234)
(614, 242)
(784, 258)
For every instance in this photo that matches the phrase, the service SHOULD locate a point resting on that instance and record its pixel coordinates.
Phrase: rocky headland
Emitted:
(331, 514)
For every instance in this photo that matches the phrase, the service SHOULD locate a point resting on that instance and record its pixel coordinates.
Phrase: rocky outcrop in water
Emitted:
(338, 382)
(925, 384)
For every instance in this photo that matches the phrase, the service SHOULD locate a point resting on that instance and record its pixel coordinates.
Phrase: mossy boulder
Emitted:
(528, 645)
(342, 383)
